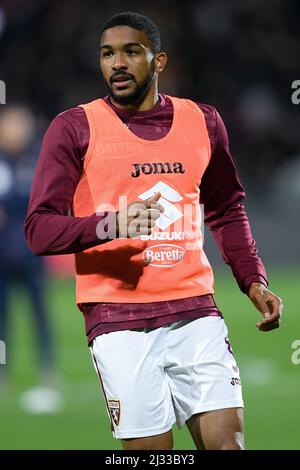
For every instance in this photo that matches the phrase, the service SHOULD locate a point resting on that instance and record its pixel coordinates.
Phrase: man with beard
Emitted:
(134, 167)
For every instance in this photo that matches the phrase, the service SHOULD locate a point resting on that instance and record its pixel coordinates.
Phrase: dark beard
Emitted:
(138, 94)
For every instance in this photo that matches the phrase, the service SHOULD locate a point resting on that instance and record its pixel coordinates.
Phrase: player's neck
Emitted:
(148, 103)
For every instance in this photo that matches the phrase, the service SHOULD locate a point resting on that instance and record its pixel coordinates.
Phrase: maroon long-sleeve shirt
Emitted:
(49, 229)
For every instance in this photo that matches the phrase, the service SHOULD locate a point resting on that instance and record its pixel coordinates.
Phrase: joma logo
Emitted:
(156, 168)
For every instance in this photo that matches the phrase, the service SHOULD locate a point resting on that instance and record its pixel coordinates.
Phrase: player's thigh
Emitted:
(202, 371)
(218, 429)
(159, 442)
(135, 387)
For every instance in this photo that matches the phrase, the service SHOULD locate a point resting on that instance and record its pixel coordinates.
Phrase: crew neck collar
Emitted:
(129, 112)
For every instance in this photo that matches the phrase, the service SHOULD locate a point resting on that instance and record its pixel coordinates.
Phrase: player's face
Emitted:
(127, 64)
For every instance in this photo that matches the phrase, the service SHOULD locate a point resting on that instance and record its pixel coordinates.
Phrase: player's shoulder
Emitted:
(71, 114)
(211, 116)
(70, 120)
(213, 120)
(208, 110)
(78, 114)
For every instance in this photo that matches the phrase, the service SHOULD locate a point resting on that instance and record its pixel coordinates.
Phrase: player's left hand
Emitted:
(269, 304)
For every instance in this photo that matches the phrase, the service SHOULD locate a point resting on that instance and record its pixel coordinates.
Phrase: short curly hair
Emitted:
(136, 21)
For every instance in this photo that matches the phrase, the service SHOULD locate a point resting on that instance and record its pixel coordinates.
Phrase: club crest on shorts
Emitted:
(115, 410)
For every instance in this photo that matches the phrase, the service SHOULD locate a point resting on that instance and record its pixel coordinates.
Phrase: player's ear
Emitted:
(160, 61)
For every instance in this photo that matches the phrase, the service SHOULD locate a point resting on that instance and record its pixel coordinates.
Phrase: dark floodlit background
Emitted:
(240, 56)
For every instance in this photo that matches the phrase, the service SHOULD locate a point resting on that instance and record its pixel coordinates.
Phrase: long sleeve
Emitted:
(48, 227)
(222, 195)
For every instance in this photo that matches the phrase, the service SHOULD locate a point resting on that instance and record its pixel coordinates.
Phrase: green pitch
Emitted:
(271, 381)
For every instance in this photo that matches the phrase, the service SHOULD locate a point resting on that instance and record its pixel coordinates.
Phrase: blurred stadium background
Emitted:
(240, 56)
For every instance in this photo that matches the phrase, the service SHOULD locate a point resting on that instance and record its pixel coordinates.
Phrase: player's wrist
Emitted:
(254, 287)
(253, 279)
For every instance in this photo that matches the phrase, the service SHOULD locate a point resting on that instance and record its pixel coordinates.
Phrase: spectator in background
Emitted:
(18, 138)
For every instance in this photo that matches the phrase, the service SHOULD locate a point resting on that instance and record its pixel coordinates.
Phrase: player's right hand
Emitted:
(139, 217)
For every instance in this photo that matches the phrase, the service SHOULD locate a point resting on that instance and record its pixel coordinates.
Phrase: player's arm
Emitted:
(48, 227)
(222, 195)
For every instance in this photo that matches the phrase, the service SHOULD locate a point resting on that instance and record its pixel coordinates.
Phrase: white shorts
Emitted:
(152, 378)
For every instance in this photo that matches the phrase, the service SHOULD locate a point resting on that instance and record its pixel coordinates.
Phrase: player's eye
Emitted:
(131, 52)
(107, 54)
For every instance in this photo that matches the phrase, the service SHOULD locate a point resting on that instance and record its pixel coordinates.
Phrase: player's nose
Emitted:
(119, 62)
